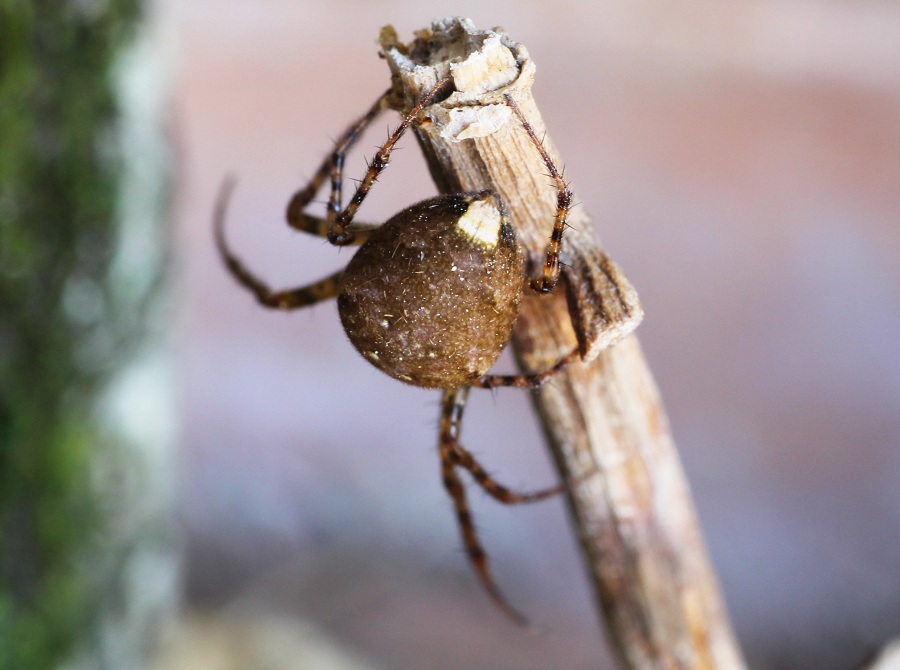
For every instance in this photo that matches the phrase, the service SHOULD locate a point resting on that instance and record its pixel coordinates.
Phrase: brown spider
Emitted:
(430, 297)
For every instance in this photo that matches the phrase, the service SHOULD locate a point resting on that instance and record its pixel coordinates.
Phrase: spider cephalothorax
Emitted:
(430, 297)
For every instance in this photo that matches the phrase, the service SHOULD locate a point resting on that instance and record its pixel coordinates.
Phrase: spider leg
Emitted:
(332, 165)
(550, 275)
(288, 299)
(463, 458)
(526, 381)
(340, 232)
(317, 225)
(451, 411)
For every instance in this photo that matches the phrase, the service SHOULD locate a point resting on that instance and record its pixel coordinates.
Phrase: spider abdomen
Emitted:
(432, 296)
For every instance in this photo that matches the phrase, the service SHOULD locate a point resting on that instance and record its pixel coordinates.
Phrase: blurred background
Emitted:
(741, 163)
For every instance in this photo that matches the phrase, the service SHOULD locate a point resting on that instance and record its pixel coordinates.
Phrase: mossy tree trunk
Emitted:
(70, 331)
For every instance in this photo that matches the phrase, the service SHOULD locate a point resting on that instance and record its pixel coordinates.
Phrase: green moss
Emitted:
(58, 188)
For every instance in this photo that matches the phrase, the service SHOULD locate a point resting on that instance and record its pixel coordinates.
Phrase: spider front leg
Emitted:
(298, 219)
(289, 299)
(339, 231)
(332, 165)
(550, 275)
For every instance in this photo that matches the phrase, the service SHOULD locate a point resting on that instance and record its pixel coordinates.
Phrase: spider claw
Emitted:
(500, 601)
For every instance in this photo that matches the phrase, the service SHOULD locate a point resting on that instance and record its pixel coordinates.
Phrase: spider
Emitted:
(430, 297)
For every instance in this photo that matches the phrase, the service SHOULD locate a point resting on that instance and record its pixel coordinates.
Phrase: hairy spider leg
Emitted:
(289, 299)
(452, 405)
(464, 459)
(550, 275)
(529, 381)
(300, 220)
(332, 165)
(339, 233)
(454, 455)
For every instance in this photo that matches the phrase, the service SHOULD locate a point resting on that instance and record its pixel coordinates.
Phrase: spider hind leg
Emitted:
(529, 381)
(453, 455)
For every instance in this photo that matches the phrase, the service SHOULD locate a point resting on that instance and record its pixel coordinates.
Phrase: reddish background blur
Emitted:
(742, 163)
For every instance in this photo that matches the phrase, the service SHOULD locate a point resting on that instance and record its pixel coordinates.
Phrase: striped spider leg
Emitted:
(454, 455)
(336, 225)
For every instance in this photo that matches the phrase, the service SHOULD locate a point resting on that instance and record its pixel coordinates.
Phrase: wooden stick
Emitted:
(635, 519)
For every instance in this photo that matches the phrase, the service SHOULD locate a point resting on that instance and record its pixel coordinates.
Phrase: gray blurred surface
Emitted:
(742, 164)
